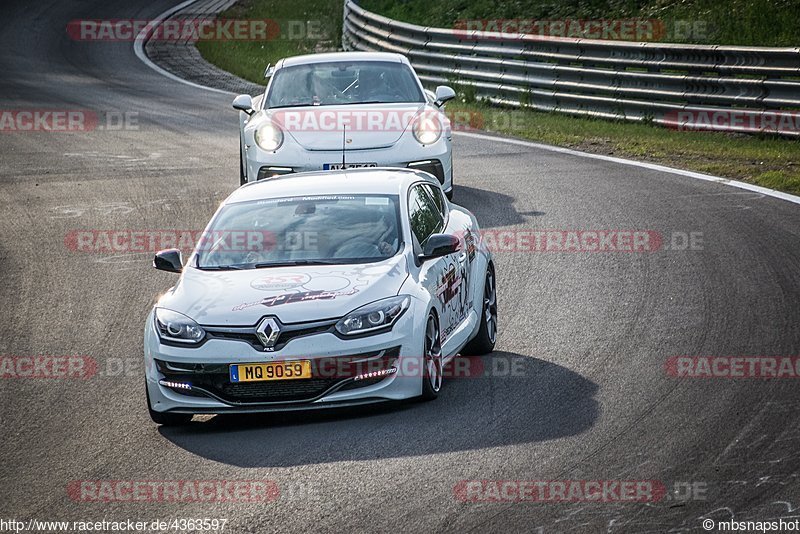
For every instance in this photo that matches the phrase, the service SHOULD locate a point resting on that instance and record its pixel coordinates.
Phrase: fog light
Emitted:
(431, 166)
(376, 374)
(265, 173)
(175, 385)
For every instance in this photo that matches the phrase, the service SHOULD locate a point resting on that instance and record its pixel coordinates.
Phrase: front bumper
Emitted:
(406, 153)
(340, 372)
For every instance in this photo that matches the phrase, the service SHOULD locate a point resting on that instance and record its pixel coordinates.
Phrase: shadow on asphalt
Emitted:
(537, 401)
(491, 208)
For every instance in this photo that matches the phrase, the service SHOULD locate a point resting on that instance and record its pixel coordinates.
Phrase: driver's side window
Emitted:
(424, 214)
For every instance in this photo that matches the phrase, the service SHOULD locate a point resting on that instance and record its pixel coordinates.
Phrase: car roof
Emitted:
(365, 181)
(342, 56)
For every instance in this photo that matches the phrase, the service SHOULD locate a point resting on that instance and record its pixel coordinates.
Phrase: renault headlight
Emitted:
(269, 136)
(375, 316)
(174, 326)
(427, 129)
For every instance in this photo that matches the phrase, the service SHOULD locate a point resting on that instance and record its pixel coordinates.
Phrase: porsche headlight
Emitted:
(269, 136)
(427, 129)
(174, 326)
(375, 316)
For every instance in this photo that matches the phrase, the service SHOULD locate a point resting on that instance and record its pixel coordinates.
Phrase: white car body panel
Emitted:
(451, 285)
(235, 297)
(304, 151)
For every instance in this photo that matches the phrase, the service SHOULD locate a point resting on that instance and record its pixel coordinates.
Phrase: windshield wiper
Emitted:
(294, 263)
(310, 104)
(381, 102)
(223, 268)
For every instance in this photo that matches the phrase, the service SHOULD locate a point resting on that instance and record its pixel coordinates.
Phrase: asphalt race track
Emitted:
(589, 333)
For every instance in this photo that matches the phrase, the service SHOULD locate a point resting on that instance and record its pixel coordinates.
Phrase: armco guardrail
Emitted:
(732, 88)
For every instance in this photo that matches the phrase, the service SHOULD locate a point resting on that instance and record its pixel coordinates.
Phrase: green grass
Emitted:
(247, 59)
(733, 22)
(764, 160)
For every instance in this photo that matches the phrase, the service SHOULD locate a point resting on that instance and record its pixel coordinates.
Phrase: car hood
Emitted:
(357, 127)
(292, 294)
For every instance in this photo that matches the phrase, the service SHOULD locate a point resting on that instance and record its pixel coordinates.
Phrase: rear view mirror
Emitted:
(168, 260)
(443, 94)
(438, 245)
(243, 103)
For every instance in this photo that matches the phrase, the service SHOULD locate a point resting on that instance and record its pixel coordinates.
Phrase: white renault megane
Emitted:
(344, 110)
(359, 291)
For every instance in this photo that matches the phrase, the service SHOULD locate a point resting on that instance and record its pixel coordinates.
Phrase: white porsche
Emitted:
(314, 290)
(344, 110)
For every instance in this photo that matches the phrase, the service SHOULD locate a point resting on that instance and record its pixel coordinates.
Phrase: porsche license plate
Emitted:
(339, 166)
(260, 372)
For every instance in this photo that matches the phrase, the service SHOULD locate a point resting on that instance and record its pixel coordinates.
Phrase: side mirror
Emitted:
(439, 245)
(443, 94)
(168, 260)
(243, 103)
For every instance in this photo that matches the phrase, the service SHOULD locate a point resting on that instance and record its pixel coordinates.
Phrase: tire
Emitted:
(432, 360)
(484, 340)
(242, 177)
(166, 418)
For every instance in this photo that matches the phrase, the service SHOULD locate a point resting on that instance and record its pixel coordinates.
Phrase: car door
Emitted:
(438, 276)
(460, 270)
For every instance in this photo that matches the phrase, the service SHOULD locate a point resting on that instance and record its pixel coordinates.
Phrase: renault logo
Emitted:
(268, 331)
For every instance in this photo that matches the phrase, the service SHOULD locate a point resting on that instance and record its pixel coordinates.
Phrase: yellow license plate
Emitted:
(260, 372)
